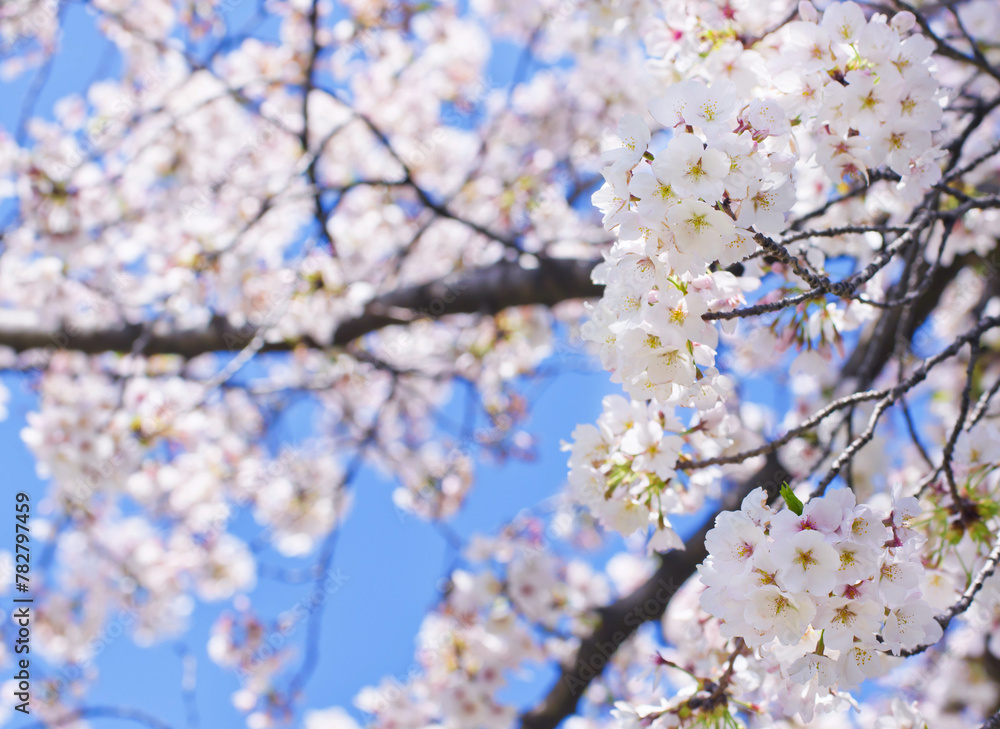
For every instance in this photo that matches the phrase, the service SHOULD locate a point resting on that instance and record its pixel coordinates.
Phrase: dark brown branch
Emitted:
(486, 290)
(771, 446)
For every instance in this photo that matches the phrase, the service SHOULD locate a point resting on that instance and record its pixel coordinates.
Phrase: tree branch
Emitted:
(486, 290)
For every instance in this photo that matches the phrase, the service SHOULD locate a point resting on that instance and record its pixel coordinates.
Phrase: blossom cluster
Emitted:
(674, 217)
(871, 94)
(623, 470)
(832, 590)
(860, 97)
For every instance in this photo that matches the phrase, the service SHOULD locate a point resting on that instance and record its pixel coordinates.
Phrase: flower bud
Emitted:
(903, 21)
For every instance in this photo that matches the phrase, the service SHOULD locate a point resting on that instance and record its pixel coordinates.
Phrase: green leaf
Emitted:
(980, 532)
(791, 499)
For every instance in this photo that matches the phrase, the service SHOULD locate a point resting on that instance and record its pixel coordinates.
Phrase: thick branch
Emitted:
(485, 290)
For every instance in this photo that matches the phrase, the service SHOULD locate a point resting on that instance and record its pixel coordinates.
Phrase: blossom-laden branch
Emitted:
(485, 291)
(620, 620)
